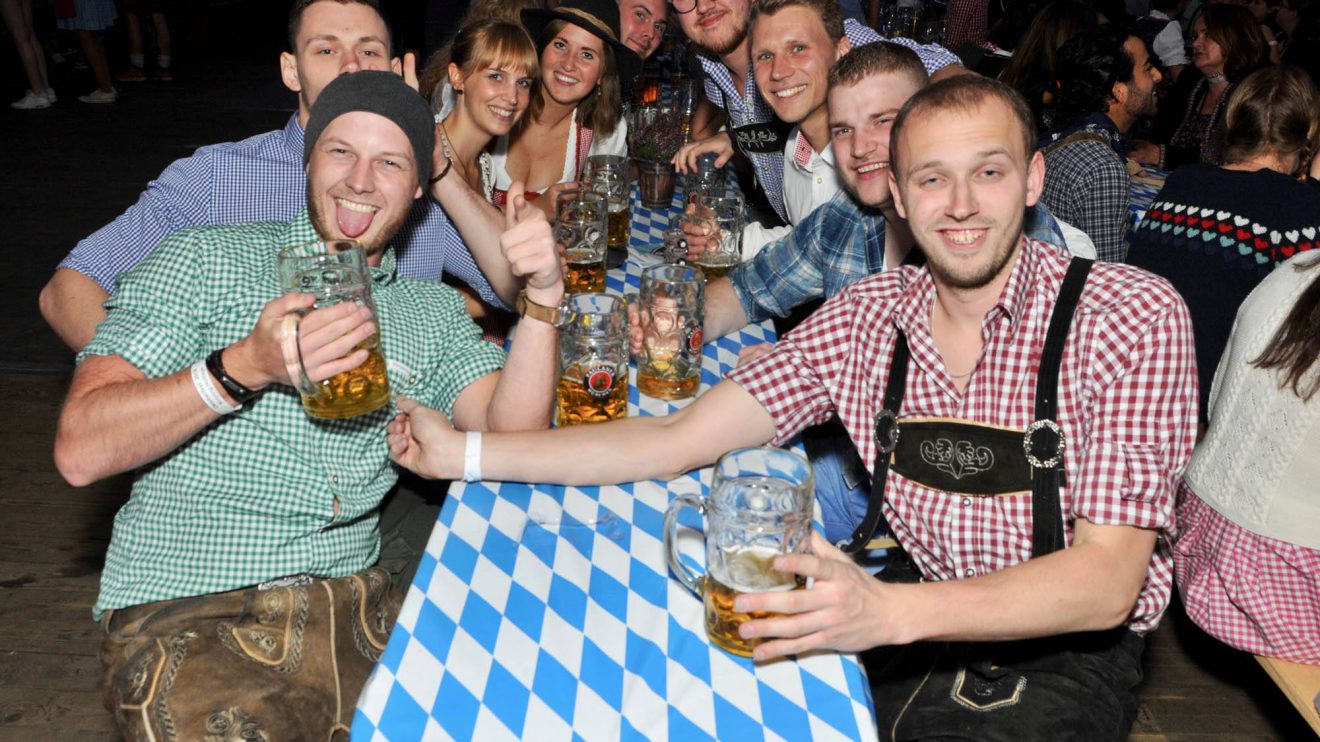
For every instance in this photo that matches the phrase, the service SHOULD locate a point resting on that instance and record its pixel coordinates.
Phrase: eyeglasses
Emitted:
(683, 6)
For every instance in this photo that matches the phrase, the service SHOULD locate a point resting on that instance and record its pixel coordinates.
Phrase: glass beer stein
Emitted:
(671, 310)
(760, 506)
(593, 357)
(720, 218)
(335, 272)
(580, 233)
(608, 176)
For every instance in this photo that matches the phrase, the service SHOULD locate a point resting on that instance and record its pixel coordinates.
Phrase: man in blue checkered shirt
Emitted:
(719, 30)
(262, 178)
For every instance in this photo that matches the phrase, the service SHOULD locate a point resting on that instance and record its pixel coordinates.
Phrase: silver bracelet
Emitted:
(201, 379)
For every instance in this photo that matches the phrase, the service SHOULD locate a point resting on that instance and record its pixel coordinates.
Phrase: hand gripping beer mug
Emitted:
(720, 218)
(593, 357)
(672, 309)
(759, 508)
(336, 272)
(608, 176)
(580, 233)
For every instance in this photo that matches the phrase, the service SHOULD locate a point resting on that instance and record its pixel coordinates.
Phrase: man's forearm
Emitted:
(633, 449)
(479, 223)
(116, 419)
(525, 394)
(1088, 587)
(724, 313)
(71, 304)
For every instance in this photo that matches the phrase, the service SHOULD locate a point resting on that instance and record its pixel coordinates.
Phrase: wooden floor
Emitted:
(74, 167)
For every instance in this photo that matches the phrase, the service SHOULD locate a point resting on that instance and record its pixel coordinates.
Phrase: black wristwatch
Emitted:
(235, 390)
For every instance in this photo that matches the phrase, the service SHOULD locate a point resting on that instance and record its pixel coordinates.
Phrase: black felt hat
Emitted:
(599, 18)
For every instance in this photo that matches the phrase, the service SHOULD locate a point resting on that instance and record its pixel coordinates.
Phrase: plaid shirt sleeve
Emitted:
(1089, 187)
(151, 321)
(965, 22)
(179, 198)
(786, 273)
(933, 56)
(462, 356)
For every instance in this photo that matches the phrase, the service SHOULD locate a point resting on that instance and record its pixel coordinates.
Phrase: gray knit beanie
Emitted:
(379, 92)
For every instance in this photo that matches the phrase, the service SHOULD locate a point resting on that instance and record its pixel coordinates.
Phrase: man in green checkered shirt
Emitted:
(236, 485)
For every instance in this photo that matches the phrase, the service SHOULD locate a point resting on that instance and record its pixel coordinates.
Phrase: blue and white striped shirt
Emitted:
(748, 107)
(258, 179)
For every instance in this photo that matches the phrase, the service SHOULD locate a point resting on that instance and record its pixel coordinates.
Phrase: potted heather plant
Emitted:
(655, 134)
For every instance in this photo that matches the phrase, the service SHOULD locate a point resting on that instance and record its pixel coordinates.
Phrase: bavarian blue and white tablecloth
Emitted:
(546, 612)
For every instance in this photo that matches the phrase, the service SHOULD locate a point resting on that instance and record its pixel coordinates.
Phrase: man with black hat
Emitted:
(239, 591)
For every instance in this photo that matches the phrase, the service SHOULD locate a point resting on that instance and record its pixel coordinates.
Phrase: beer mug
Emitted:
(720, 218)
(593, 358)
(671, 310)
(580, 234)
(759, 507)
(335, 272)
(608, 176)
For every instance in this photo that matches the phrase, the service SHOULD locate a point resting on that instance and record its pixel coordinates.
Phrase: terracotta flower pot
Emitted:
(655, 181)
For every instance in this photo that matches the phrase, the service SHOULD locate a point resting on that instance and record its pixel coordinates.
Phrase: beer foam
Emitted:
(750, 569)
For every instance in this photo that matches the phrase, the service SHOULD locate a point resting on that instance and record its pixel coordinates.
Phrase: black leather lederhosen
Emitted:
(1077, 686)
(977, 459)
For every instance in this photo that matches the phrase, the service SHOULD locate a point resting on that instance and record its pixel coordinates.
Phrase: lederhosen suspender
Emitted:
(1010, 457)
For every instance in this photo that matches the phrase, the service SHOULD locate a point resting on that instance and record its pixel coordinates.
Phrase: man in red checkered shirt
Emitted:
(1043, 418)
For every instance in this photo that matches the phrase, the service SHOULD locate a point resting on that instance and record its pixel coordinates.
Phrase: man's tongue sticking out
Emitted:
(353, 218)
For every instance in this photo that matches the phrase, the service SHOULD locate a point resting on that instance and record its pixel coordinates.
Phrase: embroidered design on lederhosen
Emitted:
(975, 459)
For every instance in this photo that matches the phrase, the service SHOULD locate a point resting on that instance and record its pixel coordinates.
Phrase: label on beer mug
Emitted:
(599, 380)
(692, 341)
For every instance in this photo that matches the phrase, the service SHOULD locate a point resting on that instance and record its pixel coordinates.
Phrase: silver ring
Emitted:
(1054, 460)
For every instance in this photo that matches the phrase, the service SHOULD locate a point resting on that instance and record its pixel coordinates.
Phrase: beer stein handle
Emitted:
(689, 579)
(291, 348)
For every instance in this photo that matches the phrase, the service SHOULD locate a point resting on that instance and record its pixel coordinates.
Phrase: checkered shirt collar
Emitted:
(293, 137)
(918, 298)
(802, 150)
(301, 230)
(736, 102)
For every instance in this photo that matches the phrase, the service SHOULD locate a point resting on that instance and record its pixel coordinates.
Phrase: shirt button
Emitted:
(967, 501)
(819, 181)
(970, 573)
(412, 379)
(334, 479)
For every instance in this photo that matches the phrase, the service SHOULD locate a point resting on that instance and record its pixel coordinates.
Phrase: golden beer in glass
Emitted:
(580, 235)
(671, 312)
(759, 507)
(334, 272)
(620, 220)
(719, 216)
(354, 392)
(591, 395)
(585, 272)
(593, 353)
(750, 570)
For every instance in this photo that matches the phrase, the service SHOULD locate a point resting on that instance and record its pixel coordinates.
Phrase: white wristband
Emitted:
(472, 458)
(201, 379)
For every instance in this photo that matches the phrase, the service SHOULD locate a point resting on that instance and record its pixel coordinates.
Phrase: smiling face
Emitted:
(964, 183)
(494, 99)
(334, 39)
(791, 58)
(1207, 55)
(361, 180)
(718, 26)
(861, 117)
(643, 24)
(1140, 99)
(571, 64)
